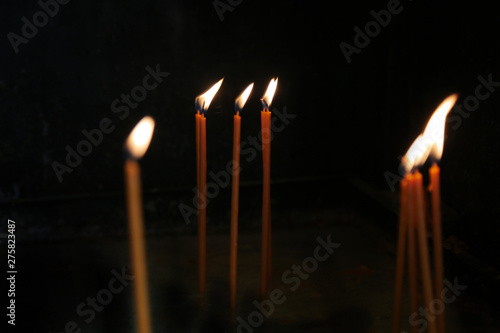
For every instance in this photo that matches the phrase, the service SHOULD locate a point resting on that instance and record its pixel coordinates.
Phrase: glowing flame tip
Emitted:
(138, 140)
(268, 96)
(242, 99)
(203, 101)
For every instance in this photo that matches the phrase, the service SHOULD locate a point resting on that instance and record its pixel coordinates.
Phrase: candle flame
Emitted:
(138, 141)
(242, 99)
(203, 101)
(268, 96)
(434, 132)
(416, 154)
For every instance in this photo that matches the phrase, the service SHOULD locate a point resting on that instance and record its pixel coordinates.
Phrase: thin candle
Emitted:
(266, 263)
(434, 132)
(233, 248)
(423, 247)
(136, 146)
(413, 157)
(202, 103)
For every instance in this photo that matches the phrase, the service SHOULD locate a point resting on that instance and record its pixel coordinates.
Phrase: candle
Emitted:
(400, 260)
(414, 156)
(136, 146)
(266, 193)
(202, 103)
(435, 189)
(425, 268)
(434, 134)
(233, 248)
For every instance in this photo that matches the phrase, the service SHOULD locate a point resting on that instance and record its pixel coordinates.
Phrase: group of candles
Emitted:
(135, 148)
(412, 225)
(413, 221)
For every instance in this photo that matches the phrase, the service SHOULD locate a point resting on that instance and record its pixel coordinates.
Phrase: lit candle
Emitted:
(202, 103)
(434, 134)
(266, 257)
(136, 146)
(233, 248)
(412, 159)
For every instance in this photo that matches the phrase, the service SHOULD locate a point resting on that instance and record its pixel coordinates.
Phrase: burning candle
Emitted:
(434, 134)
(266, 262)
(202, 103)
(233, 249)
(413, 158)
(135, 147)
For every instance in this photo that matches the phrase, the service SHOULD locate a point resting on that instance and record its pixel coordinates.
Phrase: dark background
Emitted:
(353, 120)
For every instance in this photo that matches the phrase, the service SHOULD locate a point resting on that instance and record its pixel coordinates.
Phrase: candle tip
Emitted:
(239, 103)
(139, 139)
(268, 96)
(203, 101)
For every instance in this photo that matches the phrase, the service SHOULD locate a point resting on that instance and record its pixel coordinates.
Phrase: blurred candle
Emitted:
(136, 146)
(266, 263)
(434, 136)
(202, 103)
(233, 248)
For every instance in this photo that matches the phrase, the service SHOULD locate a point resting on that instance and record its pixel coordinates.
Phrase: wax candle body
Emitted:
(435, 189)
(233, 251)
(425, 267)
(266, 202)
(412, 248)
(202, 224)
(137, 246)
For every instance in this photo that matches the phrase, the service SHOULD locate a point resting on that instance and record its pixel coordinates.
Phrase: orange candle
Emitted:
(202, 103)
(412, 249)
(266, 192)
(233, 248)
(435, 189)
(425, 267)
(202, 209)
(400, 260)
(136, 146)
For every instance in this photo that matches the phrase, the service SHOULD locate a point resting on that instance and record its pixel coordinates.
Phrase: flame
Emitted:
(434, 132)
(268, 96)
(242, 99)
(138, 141)
(416, 155)
(203, 101)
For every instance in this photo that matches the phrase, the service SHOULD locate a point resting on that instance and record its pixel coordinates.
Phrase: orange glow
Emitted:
(268, 96)
(434, 132)
(138, 141)
(416, 155)
(203, 101)
(242, 99)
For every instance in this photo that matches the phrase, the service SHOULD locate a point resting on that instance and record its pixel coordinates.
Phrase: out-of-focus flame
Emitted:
(203, 101)
(242, 99)
(416, 155)
(138, 141)
(434, 132)
(268, 96)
